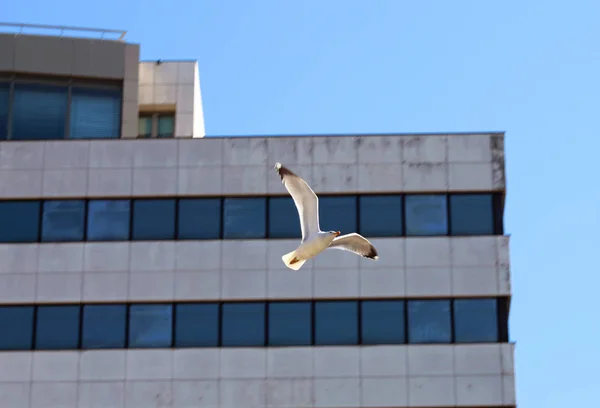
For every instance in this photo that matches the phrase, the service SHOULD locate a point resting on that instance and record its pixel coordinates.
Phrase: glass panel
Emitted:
(429, 321)
(150, 326)
(475, 320)
(336, 323)
(19, 221)
(39, 112)
(290, 324)
(197, 325)
(166, 126)
(284, 221)
(338, 214)
(95, 113)
(199, 218)
(17, 327)
(426, 215)
(153, 219)
(4, 103)
(381, 216)
(145, 126)
(63, 220)
(108, 220)
(243, 324)
(471, 214)
(57, 327)
(104, 326)
(383, 322)
(244, 217)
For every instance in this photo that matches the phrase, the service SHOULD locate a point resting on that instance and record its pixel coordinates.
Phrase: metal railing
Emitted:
(22, 28)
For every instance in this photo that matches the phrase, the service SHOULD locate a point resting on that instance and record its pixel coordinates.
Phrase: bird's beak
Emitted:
(337, 233)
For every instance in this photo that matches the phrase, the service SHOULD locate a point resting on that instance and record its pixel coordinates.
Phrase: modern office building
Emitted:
(140, 262)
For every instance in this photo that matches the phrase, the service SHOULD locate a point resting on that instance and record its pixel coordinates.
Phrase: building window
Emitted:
(426, 215)
(471, 214)
(243, 324)
(39, 111)
(104, 326)
(150, 326)
(382, 322)
(17, 324)
(57, 327)
(199, 218)
(284, 221)
(153, 219)
(380, 216)
(95, 113)
(429, 321)
(4, 104)
(290, 323)
(159, 125)
(244, 217)
(338, 213)
(476, 320)
(336, 323)
(63, 220)
(197, 325)
(108, 220)
(19, 221)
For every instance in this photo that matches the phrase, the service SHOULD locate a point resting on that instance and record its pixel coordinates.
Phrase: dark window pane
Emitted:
(108, 220)
(197, 325)
(95, 113)
(104, 326)
(381, 216)
(150, 326)
(429, 321)
(337, 214)
(4, 102)
(39, 112)
(383, 322)
(336, 323)
(471, 214)
(19, 221)
(426, 215)
(63, 220)
(199, 218)
(145, 126)
(166, 126)
(17, 327)
(475, 320)
(153, 219)
(57, 327)
(290, 324)
(284, 221)
(244, 217)
(243, 324)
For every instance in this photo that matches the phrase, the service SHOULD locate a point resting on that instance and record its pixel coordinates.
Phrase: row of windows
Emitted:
(245, 217)
(38, 111)
(253, 324)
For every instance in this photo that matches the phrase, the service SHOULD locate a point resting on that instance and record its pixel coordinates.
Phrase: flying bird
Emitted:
(314, 241)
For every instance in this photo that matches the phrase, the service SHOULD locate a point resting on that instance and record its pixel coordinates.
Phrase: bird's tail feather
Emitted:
(292, 262)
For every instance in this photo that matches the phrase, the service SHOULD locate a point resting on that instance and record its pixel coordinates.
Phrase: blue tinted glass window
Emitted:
(338, 214)
(244, 217)
(381, 216)
(108, 220)
(39, 112)
(104, 326)
(243, 324)
(429, 321)
(199, 218)
(145, 126)
(426, 215)
(197, 325)
(383, 322)
(153, 219)
(4, 102)
(17, 327)
(63, 220)
(336, 323)
(150, 325)
(57, 327)
(284, 221)
(166, 126)
(19, 221)
(471, 214)
(290, 324)
(95, 113)
(475, 320)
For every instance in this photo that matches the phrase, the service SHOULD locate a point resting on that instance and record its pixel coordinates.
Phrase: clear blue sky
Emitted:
(530, 68)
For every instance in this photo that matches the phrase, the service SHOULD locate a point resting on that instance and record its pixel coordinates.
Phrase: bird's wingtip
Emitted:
(277, 166)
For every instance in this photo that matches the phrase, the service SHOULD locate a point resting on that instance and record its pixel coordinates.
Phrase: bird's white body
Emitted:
(309, 248)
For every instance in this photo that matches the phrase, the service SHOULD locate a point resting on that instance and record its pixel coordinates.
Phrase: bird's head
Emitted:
(335, 233)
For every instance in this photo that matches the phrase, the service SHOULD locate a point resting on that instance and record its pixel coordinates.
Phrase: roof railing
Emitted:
(23, 28)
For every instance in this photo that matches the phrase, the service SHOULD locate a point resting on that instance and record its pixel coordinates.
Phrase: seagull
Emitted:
(314, 241)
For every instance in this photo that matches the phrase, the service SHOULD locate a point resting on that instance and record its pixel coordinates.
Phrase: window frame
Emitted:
(154, 120)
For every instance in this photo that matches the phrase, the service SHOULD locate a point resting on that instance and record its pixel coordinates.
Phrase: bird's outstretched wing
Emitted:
(355, 243)
(307, 202)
